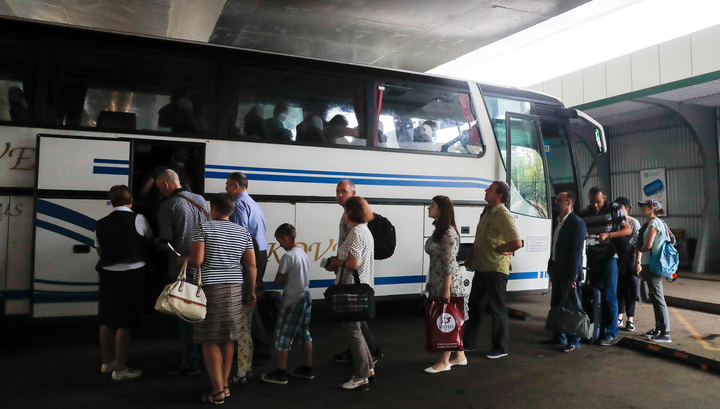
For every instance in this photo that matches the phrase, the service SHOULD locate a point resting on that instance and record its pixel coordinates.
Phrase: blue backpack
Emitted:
(665, 262)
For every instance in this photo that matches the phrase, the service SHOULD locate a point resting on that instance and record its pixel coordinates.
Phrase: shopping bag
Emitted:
(183, 299)
(445, 322)
(350, 302)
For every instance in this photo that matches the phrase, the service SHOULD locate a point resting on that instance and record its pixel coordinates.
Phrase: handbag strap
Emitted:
(183, 274)
(202, 209)
(354, 272)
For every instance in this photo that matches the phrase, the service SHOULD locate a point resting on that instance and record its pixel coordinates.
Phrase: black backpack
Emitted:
(383, 233)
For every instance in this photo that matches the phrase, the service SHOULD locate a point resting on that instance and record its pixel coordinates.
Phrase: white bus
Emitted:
(82, 110)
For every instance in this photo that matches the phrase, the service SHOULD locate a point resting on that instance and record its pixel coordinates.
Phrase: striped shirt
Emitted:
(608, 219)
(225, 244)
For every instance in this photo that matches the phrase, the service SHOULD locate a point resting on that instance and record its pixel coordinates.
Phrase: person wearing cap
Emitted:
(652, 240)
(605, 222)
(627, 285)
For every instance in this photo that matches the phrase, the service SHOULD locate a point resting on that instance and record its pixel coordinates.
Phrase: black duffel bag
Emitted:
(561, 320)
(350, 302)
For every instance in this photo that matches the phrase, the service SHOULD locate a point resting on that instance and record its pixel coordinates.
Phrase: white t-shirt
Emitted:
(294, 264)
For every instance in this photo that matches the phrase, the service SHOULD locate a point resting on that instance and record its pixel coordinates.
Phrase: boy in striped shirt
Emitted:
(294, 318)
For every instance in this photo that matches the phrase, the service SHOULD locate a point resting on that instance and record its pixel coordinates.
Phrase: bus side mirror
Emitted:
(567, 113)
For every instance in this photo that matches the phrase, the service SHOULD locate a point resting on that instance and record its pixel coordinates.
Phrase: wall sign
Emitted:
(652, 182)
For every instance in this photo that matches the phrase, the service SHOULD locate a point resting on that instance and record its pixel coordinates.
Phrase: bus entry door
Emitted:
(73, 178)
(529, 201)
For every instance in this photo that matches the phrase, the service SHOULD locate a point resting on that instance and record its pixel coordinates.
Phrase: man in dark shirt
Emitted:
(605, 221)
(274, 126)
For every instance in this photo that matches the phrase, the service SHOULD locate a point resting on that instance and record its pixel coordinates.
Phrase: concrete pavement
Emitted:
(57, 366)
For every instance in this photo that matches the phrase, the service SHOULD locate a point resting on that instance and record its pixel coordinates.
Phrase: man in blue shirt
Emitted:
(248, 214)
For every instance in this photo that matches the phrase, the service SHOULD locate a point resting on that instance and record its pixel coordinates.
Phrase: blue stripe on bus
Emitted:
(67, 215)
(348, 174)
(112, 161)
(358, 181)
(16, 294)
(105, 170)
(526, 276)
(63, 282)
(65, 232)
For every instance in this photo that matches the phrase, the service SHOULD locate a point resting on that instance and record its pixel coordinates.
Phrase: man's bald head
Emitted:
(168, 181)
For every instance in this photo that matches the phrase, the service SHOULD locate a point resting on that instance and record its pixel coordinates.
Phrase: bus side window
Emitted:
(423, 118)
(296, 107)
(107, 86)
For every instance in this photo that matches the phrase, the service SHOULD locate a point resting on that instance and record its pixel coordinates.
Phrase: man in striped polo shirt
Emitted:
(605, 221)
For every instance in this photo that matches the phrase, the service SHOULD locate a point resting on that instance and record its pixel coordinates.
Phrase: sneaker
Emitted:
(553, 341)
(304, 372)
(651, 333)
(185, 370)
(620, 322)
(278, 377)
(126, 374)
(609, 340)
(107, 368)
(571, 348)
(630, 326)
(661, 337)
(344, 358)
(496, 353)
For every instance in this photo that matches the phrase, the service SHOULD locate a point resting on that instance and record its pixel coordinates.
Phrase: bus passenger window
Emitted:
(165, 93)
(425, 118)
(297, 107)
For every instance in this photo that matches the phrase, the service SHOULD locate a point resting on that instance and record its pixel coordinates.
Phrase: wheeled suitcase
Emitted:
(591, 305)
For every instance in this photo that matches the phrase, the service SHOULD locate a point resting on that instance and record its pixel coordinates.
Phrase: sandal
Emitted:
(226, 389)
(212, 399)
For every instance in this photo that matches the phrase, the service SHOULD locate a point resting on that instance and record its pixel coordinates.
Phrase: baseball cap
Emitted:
(623, 201)
(651, 203)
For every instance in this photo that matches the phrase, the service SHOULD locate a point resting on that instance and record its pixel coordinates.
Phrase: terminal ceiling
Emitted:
(414, 35)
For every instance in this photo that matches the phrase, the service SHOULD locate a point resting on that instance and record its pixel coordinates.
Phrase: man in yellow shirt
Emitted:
(496, 239)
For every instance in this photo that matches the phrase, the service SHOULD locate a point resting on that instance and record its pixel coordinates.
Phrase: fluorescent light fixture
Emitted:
(587, 35)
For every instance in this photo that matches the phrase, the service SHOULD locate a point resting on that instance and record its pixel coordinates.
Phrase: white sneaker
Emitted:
(107, 368)
(126, 374)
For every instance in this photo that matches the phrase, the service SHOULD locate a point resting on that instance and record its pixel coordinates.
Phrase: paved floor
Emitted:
(700, 289)
(57, 366)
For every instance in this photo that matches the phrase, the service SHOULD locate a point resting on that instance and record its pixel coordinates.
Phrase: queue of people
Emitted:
(618, 253)
(227, 242)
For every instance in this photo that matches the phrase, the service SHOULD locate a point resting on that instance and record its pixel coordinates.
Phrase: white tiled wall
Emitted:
(690, 55)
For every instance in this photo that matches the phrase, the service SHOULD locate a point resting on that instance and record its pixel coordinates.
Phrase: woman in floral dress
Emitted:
(444, 278)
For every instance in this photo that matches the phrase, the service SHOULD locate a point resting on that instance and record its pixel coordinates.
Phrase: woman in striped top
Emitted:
(221, 248)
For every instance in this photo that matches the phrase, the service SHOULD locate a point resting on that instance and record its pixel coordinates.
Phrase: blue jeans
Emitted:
(604, 275)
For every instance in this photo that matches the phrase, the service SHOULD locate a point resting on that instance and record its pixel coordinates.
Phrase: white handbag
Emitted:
(183, 299)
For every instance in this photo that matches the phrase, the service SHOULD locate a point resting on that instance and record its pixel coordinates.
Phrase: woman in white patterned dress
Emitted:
(444, 277)
(357, 253)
